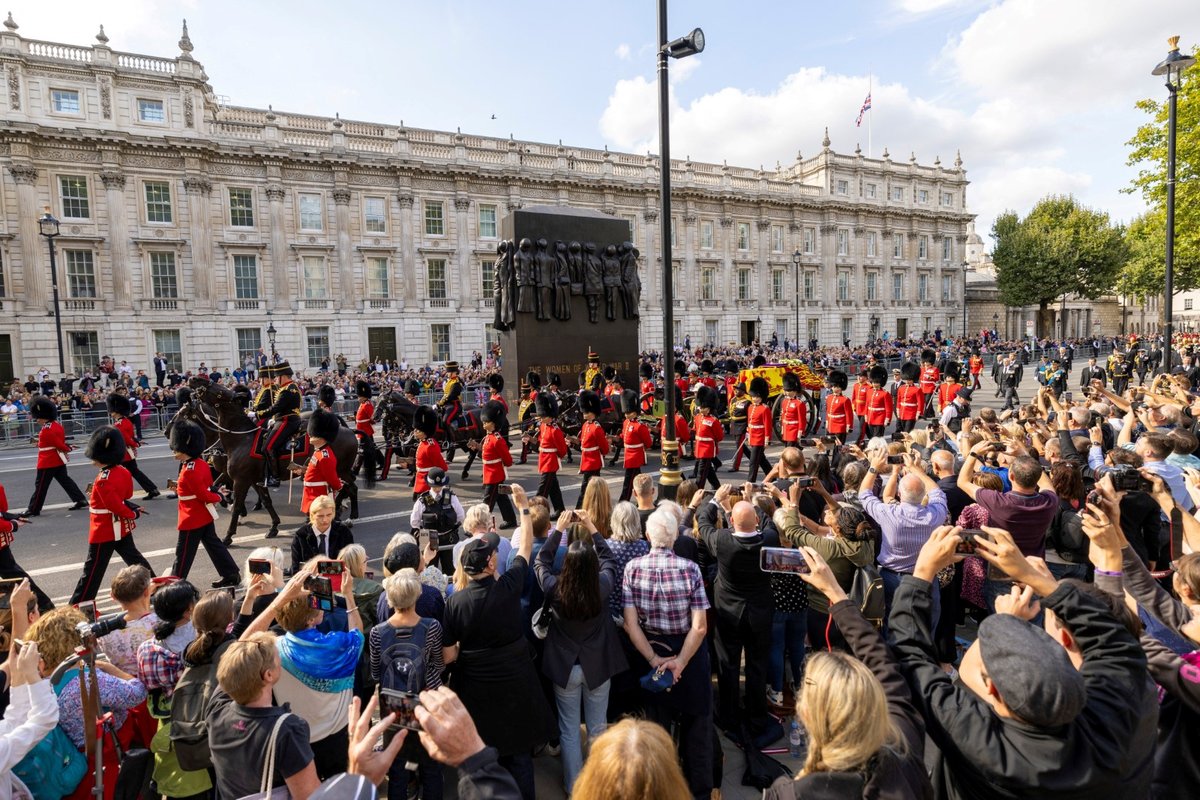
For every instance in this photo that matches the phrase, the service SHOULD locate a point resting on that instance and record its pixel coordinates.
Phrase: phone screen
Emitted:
(259, 566)
(88, 607)
(403, 705)
(782, 559)
(332, 570)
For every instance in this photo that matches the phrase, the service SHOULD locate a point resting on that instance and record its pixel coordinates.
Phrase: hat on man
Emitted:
(837, 378)
(909, 371)
(533, 380)
(589, 402)
(478, 551)
(326, 395)
(451, 366)
(680, 366)
(629, 402)
(118, 404)
(323, 425)
(107, 446)
(492, 411)
(187, 438)
(495, 382)
(266, 371)
(706, 366)
(426, 420)
(878, 374)
(412, 386)
(609, 373)
(965, 393)
(554, 379)
(43, 408)
(928, 356)
(646, 370)
(593, 357)
(281, 369)
(546, 405)
(362, 389)
(759, 388)
(707, 397)
(791, 382)
(1031, 671)
(758, 361)
(953, 371)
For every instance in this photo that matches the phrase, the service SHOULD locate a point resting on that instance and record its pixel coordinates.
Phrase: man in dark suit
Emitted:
(1092, 372)
(1010, 380)
(322, 535)
(160, 369)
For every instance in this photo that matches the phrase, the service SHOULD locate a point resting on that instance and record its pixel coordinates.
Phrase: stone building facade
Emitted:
(189, 226)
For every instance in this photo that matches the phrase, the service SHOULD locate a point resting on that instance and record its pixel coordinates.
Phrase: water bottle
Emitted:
(795, 740)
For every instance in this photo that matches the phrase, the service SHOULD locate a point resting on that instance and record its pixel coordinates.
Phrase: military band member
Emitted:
(118, 410)
(493, 451)
(635, 441)
(51, 458)
(321, 472)
(495, 383)
(429, 453)
(948, 388)
(197, 508)
(709, 434)
(592, 442)
(284, 416)
(1118, 369)
(858, 397)
(364, 429)
(593, 376)
(529, 393)
(683, 433)
(793, 411)
(879, 403)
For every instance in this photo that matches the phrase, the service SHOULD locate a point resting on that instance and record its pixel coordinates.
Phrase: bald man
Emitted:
(945, 472)
(743, 605)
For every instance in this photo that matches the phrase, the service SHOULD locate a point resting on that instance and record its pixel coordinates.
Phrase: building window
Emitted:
(872, 289)
(378, 284)
(777, 238)
(810, 240)
(170, 344)
(706, 234)
(923, 196)
(2, 283)
(902, 328)
(375, 214)
(743, 236)
(249, 342)
(487, 222)
(814, 329)
(871, 191)
(708, 284)
(843, 240)
(712, 331)
(73, 190)
(85, 350)
(81, 274)
(843, 285)
(151, 111)
(898, 193)
(897, 286)
(163, 284)
(316, 285)
(777, 285)
(743, 284)
(847, 327)
(241, 208)
(922, 287)
(1187, 304)
(318, 345)
(843, 188)
(810, 289)
(245, 277)
(487, 279)
(947, 289)
(632, 220)
(311, 218)
(158, 201)
(870, 244)
(674, 228)
(947, 198)
(947, 248)
(897, 245)
(435, 221)
(922, 247)
(439, 342)
(64, 101)
(435, 278)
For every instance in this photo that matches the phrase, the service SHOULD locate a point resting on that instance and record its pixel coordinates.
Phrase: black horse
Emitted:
(396, 415)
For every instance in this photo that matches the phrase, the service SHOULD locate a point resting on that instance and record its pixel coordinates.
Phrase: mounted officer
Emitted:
(284, 416)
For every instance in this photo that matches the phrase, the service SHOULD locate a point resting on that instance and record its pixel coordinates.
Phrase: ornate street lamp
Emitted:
(796, 263)
(271, 336)
(48, 227)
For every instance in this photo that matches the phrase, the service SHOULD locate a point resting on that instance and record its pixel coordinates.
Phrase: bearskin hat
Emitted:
(107, 446)
(362, 389)
(928, 356)
(323, 425)
(629, 402)
(760, 388)
(589, 402)
(493, 411)
(678, 398)
(758, 361)
(326, 396)
(187, 438)
(426, 420)
(609, 373)
(706, 366)
(707, 397)
(953, 371)
(646, 370)
(909, 371)
(42, 407)
(496, 382)
(878, 374)
(791, 382)
(412, 386)
(533, 380)
(118, 404)
(546, 405)
(680, 366)
(733, 365)
(555, 380)
(837, 378)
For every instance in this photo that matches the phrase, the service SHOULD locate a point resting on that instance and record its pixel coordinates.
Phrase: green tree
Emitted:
(1149, 154)
(1059, 248)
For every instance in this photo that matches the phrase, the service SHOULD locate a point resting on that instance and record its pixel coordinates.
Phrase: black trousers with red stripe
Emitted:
(548, 487)
(493, 498)
(189, 542)
(96, 564)
(41, 485)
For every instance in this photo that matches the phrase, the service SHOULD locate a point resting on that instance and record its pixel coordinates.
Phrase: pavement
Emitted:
(53, 547)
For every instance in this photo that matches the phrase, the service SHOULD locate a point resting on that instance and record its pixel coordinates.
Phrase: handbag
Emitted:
(265, 792)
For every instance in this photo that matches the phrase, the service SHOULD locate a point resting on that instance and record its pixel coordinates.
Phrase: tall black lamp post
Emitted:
(1172, 67)
(271, 336)
(689, 45)
(796, 264)
(48, 227)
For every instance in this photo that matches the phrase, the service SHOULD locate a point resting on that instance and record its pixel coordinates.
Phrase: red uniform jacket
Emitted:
(363, 416)
(909, 400)
(647, 387)
(682, 382)
(552, 446)
(593, 447)
(429, 455)
(879, 407)
(196, 497)
(52, 446)
(758, 425)
(682, 432)
(636, 438)
(131, 443)
(111, 519)
(839, 414)
(708, 380)
(6, 526)
(793, 417)
(946, 392)
(930, 375)
(496, 457)
(976, 365)
(858, 396)
(499, 398)
(708, 433)
(320, 477)
(611, 389)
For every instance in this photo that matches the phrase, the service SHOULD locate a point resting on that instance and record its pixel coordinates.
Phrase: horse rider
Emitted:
(593, 377)
(284, 414)
(266, 394)
(451, 403)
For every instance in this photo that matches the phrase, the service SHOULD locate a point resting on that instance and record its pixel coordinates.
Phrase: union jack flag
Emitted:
(866, 106)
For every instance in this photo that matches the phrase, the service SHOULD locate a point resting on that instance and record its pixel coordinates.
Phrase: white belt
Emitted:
(584, 450)
(875, 408)
(316, 483)
(493, 461)
(637, 446)
(99, 511)
(908, 405)
(548, 450)
(61, 455)
(420, 469)
(47, 449)
(704, 439)
(758, 427)
(212, 509)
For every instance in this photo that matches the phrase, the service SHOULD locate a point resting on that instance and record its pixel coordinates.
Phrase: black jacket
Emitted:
(740, 582)
(304, 543)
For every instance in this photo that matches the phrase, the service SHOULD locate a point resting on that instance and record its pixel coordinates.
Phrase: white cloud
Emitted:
(925, 6)
(623, 51)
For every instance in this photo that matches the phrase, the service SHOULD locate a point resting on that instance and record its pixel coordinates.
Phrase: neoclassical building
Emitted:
(189, 226)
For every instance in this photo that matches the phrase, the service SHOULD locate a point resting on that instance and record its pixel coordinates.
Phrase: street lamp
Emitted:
(271, 335)
(1172, 67)
(966, 265)
(680, 48)
(796, 263)
(48, 227)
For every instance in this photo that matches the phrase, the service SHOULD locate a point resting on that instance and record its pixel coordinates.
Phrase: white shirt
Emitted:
(323, 550)
(32, 713)
(419, 509)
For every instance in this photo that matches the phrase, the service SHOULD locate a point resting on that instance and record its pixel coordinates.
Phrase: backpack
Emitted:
(54, 768)
(189, 723)
(402, 657)
(866, 592)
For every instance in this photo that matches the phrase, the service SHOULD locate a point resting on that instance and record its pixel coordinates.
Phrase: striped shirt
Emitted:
(905, 527)
(665, 589)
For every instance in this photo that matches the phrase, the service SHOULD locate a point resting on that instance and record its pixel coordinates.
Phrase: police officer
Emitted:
(284, 414)
(439, 512)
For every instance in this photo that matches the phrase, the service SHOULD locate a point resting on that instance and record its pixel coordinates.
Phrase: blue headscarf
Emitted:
(324, 662)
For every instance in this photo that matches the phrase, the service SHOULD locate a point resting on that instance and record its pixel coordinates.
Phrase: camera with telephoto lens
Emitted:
(1126, 478)
(101, 627)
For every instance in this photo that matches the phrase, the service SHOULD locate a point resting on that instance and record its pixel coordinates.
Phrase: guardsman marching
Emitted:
(552, 446)
(683, 434)
(364, 429)
(451, 403)
(593, 377)
(739, 405)
(646, 388)
(706, 374)
(111, 514)
(529, 394)
(635, 440)
(839, 410)
(975, 364)
(494, 453)
(793, 411)
(858, 397)
(879, 403)
(197, 509)
(709, 434)
(266, 395)
(495, 383)
(948, 388)
(759, 427)
(908, 397)
(284, 414)
(321, 473)
(592, 442)
(118, 409)
(429, 454)
(930, 376)
(52, 457)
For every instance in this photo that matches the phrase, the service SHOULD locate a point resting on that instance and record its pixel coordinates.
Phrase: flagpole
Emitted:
(870, 111)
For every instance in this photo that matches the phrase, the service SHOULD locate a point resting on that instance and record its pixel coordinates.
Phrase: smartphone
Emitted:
(998, 446)
(7, 587)
(403, 705)
(966, 540)
(1093, 498)
(805, 481)
(88, 607)
(318, 585)
(895, 459)
(259, 566)
(1068, 396)
(504, 488)
(808, 442)
(334, 571)
(369, 574)
(782, 559)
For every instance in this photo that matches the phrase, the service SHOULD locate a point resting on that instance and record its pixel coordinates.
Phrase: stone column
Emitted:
(689, 275)
(198, 190)
(348, 296)
(35, 269)
(279, 254)
(467, 293)
(408, 252)
(725, 288)
(118, 242)
(651, 277)
(763, 267)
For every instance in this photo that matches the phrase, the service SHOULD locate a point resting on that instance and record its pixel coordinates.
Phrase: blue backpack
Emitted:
(54, 767)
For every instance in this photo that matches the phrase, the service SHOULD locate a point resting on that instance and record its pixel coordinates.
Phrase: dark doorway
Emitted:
(381, 343)
(749, 331)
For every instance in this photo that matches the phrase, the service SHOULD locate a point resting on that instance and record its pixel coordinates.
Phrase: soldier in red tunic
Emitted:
(495, 383)
(118, 409)
(646, 388)
(552, 446)
(793, 411)
(879, 403)
(839, 410)
(930, 375)
(683, 433)
(51, 459)
(709, 434)
(909, 397)
(591, 441)
(759, 428)
(320, 473)
(635, 440)
(111, 514)
(197, 509)
(948, 390)
(364, 428)
(493, 451)
(429, 454)
(858, 397)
